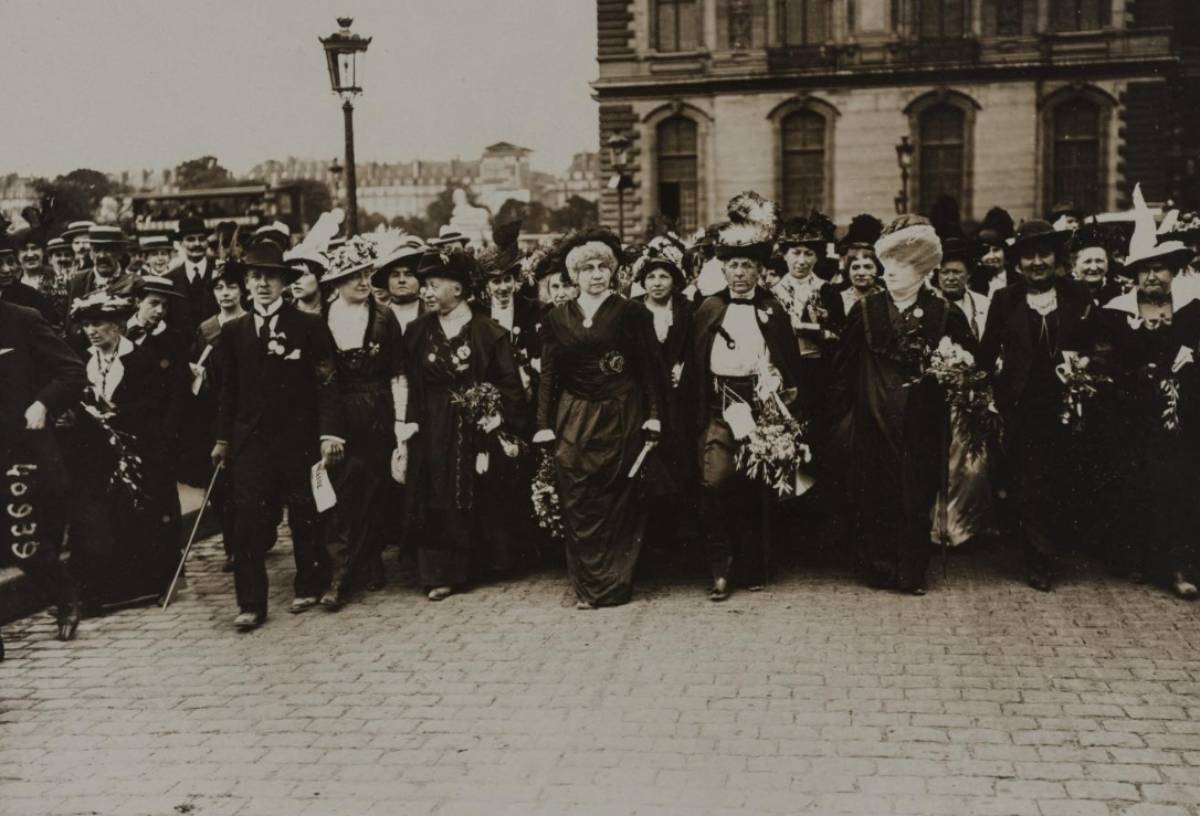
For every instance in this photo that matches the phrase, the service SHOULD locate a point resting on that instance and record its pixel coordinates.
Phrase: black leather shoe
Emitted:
(69, 616)
(246, 621)
(1041, 582)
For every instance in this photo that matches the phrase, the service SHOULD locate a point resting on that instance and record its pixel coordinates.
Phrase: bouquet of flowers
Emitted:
(774, 443)
(127, 473)
(1080, 385)
(546, 506)
(1169, 388)
(968, 393)
(481, 406)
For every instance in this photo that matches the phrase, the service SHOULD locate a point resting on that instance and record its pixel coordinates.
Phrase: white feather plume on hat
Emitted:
(1144, 245)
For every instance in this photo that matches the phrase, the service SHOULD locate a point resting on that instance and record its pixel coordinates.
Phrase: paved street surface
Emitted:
(816, 696)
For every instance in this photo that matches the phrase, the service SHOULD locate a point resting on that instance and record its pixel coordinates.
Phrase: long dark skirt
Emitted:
(598, 442)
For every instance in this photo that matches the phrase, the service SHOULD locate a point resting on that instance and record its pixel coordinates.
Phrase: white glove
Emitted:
(399, 463)
(544, 435)
(405, 431)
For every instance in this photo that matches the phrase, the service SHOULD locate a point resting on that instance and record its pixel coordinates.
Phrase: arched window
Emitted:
(941, 19)
(1074, 166)
(678, 190)
(802, 137)
(803, 22)
(1080, 15)
(941, 140)
(676, 25)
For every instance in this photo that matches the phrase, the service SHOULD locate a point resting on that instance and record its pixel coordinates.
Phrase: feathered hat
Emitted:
(1144, 246)
(587, 236)
(311, 253)
(995, 229)
(503, 254)
(863, 232)
(351, 258)
(815, 231)
(750, 231)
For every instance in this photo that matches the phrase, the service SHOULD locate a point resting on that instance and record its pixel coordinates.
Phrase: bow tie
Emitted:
(136, 332)
(1153, 323)
(747, 301)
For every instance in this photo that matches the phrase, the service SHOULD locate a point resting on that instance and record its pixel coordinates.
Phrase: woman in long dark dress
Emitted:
(600, 400)
(448, 350)
(120, 550)
(369, 359)
(1154, 333)
(899, 430)
(669, 473)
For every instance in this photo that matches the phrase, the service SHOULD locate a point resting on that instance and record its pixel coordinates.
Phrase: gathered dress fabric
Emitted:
(602, 378)
(443, 500)
(1157, 494)
(362, 521)
(898, 430)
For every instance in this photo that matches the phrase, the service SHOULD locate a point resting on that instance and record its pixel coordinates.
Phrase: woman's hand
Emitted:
(35, 417)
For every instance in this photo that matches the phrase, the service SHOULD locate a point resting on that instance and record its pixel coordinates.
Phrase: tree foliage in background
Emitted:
(206, 172)
(75, 196)
(315, 198)
(577, 213)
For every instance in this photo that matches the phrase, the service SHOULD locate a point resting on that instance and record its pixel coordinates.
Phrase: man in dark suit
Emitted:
(279, 414)
(1032, 326)
(41, 377)
(194, 277)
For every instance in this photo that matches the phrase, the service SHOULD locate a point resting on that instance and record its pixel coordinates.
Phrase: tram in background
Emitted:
(248, 207)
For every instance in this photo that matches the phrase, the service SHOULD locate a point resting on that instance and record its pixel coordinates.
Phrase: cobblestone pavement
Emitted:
(816, 696)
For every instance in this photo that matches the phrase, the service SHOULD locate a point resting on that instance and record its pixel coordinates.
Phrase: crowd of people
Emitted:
(478, 407)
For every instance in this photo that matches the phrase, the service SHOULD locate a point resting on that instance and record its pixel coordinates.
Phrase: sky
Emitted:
(124, 84)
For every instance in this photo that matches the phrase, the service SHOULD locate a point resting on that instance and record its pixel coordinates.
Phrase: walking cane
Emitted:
(192, 538)
(946, 495)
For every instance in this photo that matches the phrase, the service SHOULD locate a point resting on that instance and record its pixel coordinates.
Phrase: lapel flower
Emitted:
(764, 314)
(516, 330)
(463, 353)
(918, 313)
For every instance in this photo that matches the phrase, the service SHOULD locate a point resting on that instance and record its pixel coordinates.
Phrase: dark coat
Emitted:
(170, 356)
(776, 327)
(198, 302)
(1007, 336)
(294, 402)
(35, 366)
(22, 294)
(491, 361)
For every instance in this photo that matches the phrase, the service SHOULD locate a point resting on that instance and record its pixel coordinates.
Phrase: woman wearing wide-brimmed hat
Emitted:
(121, 550)
(369, 361)
(599, 401)
(1154, 331)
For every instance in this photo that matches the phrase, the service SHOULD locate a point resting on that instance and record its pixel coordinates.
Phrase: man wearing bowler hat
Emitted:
(279, 414)
(107, 246)
(194, 277)
(1033, 326)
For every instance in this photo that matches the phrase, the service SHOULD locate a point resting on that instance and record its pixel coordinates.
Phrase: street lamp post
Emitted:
(342, 50)
(335, 170)
(618, 146)
(904, 157)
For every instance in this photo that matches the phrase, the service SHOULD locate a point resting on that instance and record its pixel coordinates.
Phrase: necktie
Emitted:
(136, 333)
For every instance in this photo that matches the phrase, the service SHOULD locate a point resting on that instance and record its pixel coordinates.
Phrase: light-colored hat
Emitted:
(1144, 246)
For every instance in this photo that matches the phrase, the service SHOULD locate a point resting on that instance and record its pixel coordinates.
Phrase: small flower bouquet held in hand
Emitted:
(968, 394)
(774, 446)
(546, 507)
(481, 406)
(1079, 386)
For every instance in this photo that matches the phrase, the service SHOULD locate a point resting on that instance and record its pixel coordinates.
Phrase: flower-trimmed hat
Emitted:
(589, 235)
(102, 305)
(661, 252)
(814, 231)
(351, 258)
(750, 230)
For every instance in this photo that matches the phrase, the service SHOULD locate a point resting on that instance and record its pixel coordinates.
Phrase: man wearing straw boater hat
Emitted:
(279, 415)
(76, 237)
(41, 376)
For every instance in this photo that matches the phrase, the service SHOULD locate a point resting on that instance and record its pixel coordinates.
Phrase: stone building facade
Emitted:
(1016, 103)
